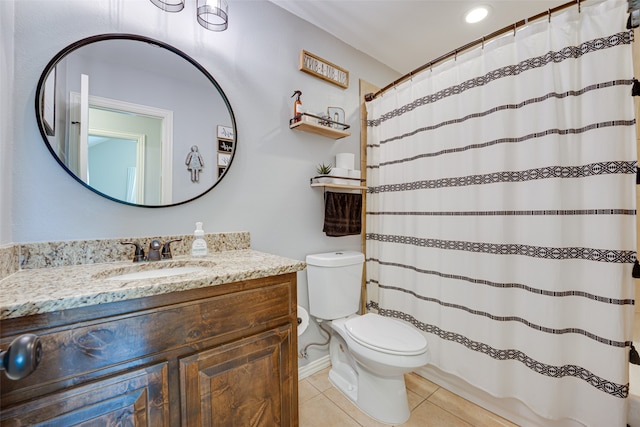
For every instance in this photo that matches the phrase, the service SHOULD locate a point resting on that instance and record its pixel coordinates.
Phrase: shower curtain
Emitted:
(501, 213)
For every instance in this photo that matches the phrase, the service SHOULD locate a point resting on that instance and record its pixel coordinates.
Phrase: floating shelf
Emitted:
(320, 126)
(326, 181)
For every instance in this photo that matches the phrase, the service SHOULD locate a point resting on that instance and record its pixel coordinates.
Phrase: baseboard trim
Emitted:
(313, 367)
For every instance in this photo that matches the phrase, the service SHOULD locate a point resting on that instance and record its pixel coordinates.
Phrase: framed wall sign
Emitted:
(225, 147)
(225, 132)
(314, 65)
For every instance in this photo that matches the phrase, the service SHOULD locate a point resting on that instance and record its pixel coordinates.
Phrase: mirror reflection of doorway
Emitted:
(108, 118)
(116, 164)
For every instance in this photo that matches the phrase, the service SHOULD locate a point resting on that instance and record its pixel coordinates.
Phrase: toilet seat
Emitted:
(386, 335)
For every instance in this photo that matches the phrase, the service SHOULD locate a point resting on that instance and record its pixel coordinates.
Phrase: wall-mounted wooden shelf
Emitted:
(320, 126)
(325, 181)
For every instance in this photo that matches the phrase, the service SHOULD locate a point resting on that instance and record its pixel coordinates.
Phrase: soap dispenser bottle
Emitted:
(297, 106)
(199, 245)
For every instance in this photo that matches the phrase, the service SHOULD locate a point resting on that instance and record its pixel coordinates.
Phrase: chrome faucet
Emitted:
(155, 253)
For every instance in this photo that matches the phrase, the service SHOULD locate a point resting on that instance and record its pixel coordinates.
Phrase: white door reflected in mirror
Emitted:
(149, 126)
(116, 165)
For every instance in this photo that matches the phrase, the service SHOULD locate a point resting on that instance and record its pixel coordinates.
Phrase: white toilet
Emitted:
(370, 353)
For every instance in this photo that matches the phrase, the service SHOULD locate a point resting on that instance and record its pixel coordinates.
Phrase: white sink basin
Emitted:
(158, 273)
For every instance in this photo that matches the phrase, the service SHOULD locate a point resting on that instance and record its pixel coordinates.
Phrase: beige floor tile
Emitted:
(473, 414)
(306, 391)
(320, 380)
(429, 415)
(319, 411)
(419, 385)
(351, 409)
(414, 399)
(323, 405)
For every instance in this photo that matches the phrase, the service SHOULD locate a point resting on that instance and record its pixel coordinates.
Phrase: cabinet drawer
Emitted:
(78, 353)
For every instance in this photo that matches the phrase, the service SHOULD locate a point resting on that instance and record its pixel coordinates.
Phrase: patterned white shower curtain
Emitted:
(501, 213)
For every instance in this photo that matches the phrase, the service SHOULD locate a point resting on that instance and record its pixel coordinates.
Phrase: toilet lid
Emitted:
(386, 335)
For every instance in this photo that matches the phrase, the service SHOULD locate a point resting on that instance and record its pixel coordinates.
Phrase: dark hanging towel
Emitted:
(342, 214)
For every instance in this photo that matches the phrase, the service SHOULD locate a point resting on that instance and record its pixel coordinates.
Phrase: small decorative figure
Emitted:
(194, 163)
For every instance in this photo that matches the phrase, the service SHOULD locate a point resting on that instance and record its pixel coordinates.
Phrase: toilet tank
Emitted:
(334, 280)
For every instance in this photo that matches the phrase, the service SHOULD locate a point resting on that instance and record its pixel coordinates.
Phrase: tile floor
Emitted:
(322, 405)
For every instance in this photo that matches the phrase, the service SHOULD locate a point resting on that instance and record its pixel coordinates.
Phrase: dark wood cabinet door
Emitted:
(137, 398)
(247, 383)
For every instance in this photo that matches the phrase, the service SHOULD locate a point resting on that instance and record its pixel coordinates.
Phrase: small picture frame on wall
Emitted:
(224, 159)
(225, 132)
(225, 146)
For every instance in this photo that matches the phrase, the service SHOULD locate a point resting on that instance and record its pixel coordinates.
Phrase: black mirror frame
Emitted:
(123, 36)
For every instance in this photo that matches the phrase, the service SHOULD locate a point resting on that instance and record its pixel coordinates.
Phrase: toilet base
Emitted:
(383, 399)
(348, 387)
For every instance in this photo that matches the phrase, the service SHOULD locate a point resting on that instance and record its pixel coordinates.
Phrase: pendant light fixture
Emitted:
(211, 14)
(169, 5)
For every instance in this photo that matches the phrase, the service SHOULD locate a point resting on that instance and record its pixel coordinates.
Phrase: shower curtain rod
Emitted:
(481, 41)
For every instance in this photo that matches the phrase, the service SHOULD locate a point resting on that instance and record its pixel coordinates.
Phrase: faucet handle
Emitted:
(139, 253)
(166, 249)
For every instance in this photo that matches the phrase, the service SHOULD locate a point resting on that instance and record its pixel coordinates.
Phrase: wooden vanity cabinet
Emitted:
(224, 355)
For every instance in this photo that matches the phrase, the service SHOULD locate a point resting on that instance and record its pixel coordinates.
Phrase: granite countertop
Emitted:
(44, 290)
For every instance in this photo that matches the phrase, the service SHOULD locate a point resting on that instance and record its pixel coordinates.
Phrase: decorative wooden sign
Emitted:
(312, 64)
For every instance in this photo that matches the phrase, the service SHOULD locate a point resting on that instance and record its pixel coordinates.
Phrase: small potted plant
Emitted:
(323, 169)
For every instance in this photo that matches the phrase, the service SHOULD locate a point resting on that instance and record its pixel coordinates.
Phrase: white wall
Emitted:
(6, 119)
(266, 191)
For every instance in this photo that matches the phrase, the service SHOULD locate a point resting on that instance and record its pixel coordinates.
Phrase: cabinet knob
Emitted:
(22, 357)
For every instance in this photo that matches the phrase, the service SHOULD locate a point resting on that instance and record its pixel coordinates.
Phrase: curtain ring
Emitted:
(514, 29)
(482, 42)
(579, 7)
(549, 14)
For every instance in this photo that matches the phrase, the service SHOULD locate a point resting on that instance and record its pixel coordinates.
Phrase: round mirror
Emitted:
(135, 120)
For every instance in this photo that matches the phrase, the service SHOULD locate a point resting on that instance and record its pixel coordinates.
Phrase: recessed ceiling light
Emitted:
(476, 14)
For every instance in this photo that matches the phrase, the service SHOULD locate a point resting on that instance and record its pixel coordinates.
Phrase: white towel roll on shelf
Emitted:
(345, 160)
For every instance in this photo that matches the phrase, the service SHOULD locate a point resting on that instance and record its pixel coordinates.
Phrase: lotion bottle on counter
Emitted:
(199, 245)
